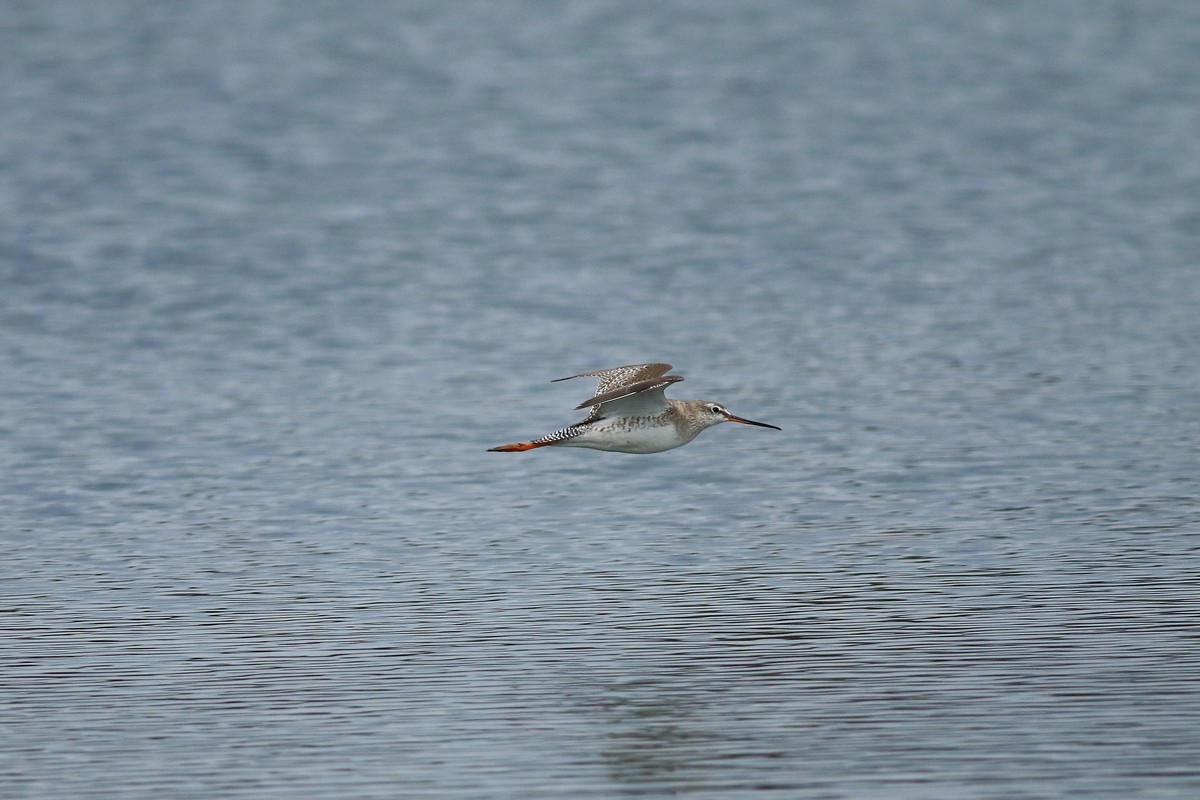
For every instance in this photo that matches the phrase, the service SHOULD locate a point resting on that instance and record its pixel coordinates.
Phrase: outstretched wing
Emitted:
(632, 390)
(610, 379)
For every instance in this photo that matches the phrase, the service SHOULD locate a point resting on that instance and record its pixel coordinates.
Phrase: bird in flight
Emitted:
(631, 414)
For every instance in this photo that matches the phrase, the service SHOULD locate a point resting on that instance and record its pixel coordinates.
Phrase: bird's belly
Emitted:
(627, 438)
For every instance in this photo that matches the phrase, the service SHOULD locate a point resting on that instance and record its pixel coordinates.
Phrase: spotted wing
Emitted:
(635, 390)
(610, 379)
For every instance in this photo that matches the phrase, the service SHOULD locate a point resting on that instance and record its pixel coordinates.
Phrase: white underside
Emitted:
(633, 440)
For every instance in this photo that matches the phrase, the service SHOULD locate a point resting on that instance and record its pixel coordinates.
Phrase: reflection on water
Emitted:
(818, 670)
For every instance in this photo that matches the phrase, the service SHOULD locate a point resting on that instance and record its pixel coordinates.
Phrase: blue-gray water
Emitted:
(276, 274)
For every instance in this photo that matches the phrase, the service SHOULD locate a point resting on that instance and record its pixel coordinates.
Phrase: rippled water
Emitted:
(275, 275)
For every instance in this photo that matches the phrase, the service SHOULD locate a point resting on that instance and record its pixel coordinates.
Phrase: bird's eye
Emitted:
(717, 410)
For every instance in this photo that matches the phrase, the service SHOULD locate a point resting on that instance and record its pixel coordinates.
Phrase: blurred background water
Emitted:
(273, 276)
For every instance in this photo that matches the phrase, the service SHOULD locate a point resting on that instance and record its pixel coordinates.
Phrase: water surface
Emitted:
(275, 275)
